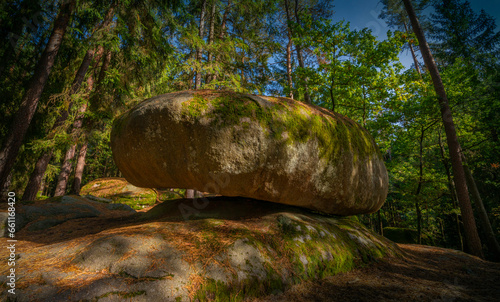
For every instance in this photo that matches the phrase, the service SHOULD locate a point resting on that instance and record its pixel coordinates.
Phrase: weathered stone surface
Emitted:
(218, 256)
(267, 148)
(45, 214)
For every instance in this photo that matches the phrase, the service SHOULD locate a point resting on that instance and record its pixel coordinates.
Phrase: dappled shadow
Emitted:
(149, 254)
(425, 274)
(231, 208)
(117, 267)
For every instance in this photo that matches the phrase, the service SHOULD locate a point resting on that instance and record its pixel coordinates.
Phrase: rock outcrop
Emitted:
(114, 189)
(44, 214)
(267, 148)
(218, 255)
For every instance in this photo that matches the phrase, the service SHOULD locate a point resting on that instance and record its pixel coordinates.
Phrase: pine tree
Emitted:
(471, 233)
(24, 115)
(459, 32)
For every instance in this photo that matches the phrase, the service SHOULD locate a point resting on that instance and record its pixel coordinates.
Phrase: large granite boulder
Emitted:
(267, 148)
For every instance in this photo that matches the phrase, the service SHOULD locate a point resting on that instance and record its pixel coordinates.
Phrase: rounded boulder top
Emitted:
(268, 148)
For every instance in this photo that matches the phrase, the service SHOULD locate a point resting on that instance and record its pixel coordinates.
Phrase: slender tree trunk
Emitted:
(289, 63)
(222, 33)
(481, 211)
(471, 235)
(4, 190)
(413, 55)
(190, 193)
(380, 226)
(298, 49)
(36, 177)
(332, 96)
(80, 165)
(211, 40)
(23, 117)
(419, 187)
(102, 74)
(105, 168)
(62, 180)
(199, 49)
(441, 226)
(451, 187)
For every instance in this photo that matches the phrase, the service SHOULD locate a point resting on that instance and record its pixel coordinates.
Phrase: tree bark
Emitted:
(24, 115)
(199, 49)
(481, 212)
(380, 225)
(62, 180)
(451, 187)
(5, 189)
(80, 165)
(190, 193)
(298, 49)
(471, 234)
(222, 33)
(211, 40)
(289, 63)
(36, 177)
(419, 187)
(413, 55)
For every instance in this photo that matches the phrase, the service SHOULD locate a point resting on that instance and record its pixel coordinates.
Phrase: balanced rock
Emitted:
(266, 148)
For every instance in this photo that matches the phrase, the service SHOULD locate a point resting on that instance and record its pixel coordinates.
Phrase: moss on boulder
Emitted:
(118, 190)
(267, 148)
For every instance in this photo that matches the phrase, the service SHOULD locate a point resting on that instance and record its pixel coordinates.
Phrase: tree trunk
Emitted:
(62, 180)
(380, 226)
(36, 177)
(298, 49)
(481, 211)
(199, 49)
(471, 234)
(413, 55)
(102, 72)
(80, 165)
(211, 40)
(23, 116)
(5, 189)
(289, 63)
(190, 193)
(222, 33)
(419, 187)
(451, 187)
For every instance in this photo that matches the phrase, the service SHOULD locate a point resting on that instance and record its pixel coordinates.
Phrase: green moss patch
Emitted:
(120, 191)
(283, 119)
(297, 248)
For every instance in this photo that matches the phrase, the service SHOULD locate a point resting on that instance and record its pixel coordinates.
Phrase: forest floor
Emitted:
(426, 274)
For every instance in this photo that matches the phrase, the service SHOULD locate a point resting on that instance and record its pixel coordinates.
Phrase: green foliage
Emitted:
(403, 235)
(355, 72)
(459, 32)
